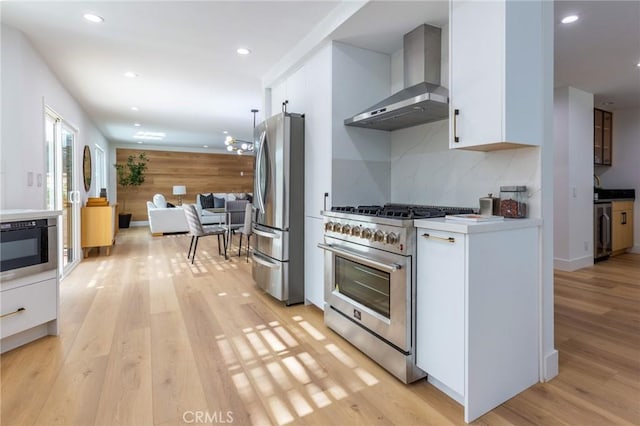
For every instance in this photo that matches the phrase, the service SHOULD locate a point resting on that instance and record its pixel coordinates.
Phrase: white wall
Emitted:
(361, 168)
(27, 86)
(573, 179)
(624, 173)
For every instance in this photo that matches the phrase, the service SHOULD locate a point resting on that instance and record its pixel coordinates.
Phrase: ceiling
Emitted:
(193, 86)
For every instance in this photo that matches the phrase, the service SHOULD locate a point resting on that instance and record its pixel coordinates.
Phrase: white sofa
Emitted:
(163, 219)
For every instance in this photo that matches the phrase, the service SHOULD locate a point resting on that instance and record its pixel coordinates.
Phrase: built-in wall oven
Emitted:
(27, 247)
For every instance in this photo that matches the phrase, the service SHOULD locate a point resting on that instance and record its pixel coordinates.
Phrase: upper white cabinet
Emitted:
(495, 74)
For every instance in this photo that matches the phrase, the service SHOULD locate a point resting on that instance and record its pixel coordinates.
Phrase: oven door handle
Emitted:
(357, 257)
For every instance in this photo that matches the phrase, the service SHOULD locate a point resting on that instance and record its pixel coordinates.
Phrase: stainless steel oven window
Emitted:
(363, 284)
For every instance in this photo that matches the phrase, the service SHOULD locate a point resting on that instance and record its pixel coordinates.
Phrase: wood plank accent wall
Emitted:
(199, 172)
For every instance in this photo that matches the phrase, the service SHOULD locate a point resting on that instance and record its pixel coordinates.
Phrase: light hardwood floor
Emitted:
(149, 339)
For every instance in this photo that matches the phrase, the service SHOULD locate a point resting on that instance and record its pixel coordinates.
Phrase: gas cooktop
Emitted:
(403, 211)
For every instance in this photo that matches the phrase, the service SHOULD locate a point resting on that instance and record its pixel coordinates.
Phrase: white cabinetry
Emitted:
(29, 302)
(28, 306)
(313, 261)
(477, 309)
(496, 84)
(440, 300)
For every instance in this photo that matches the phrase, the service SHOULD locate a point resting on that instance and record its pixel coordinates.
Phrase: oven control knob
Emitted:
(337, 227)
(356, 231)
(346, 229)
(392, 238)
(378, 236)
(367, 233)
(328, 226)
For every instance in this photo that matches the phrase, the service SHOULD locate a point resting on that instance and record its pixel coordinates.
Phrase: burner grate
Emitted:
(404, 211)
(345, 209)
(368, 210)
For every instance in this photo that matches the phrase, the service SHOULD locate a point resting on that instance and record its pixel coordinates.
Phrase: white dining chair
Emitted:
(246, 228)
(198, 230)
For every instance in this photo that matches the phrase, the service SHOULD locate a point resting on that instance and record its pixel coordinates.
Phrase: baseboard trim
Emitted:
(573, 264)
(550, 365)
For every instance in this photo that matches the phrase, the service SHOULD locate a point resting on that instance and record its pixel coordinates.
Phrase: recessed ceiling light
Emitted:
(93, 18)
(134, 108)
(569, 19)
(205, 146)
(243, 51)
(130, 74)
(140, 142)
(136, 124)
(225, 132)
(154, 136)
(607, 103)
(638, 64)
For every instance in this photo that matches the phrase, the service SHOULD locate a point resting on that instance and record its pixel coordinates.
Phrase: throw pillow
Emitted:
(171, 206)
(218, 203)
(250, 198)
(240, 196)
(207, 201)
(159, 201)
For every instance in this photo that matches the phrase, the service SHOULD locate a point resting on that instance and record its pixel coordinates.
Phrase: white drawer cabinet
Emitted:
(477, 309)
(441, 301)
(496, 86)
(28, 306)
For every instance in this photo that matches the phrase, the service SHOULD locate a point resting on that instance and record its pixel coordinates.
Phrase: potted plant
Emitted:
(130, 175)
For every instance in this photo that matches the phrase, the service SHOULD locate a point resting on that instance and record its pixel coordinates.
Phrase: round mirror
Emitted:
(86, 168)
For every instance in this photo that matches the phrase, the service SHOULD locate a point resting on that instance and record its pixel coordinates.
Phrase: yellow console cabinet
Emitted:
(98, 227)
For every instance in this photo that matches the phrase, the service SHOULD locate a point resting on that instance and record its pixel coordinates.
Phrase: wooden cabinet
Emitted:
(477, 308)
(621, 225)
(496, 86)
(98, 227)
(602, 137)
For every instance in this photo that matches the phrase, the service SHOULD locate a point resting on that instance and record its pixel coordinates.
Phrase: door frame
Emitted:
(74, 193)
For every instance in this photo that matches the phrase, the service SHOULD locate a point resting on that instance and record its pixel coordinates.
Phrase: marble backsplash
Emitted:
(360, 182)
(425, 171)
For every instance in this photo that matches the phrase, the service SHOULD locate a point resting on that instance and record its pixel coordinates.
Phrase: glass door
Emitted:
(62, 193)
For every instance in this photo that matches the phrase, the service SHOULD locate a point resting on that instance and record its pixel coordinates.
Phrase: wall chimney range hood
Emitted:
(422, 100)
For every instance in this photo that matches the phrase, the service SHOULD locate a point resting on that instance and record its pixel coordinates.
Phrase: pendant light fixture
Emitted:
(238, 145)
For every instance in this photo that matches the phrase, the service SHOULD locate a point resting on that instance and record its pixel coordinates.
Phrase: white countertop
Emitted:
(10, 215)
(464, 227)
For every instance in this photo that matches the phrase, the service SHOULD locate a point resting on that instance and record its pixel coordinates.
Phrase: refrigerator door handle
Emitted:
(265, 234)
(264, 261)
(258, 177)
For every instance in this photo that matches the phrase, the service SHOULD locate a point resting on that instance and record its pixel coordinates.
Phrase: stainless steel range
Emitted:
(370, 279)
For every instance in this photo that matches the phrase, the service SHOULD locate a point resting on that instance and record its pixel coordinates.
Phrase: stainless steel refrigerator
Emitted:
(278, 252)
